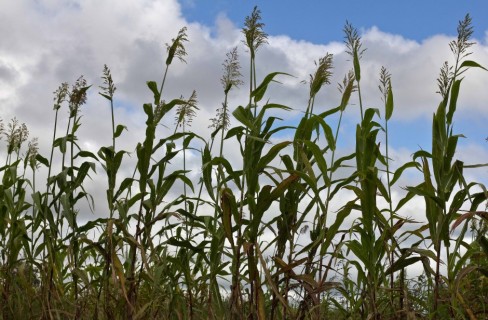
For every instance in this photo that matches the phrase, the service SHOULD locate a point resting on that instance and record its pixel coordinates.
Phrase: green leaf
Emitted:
(399, 171)
(272, 153)
(118, 130)
(42, 160)
(152, 85)
(109, 98)
(471, 64)
(319, 158)
(261, 89)
(389, 103)
(328, 133)
(86, 154)
(184, 244)
(244, 116)
(207, 171)
(453, 100)
(334, 228)
(357, 66)
(402, 263)
(229, 207)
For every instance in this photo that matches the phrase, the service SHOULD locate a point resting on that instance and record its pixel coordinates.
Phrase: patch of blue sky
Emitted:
(320, 21)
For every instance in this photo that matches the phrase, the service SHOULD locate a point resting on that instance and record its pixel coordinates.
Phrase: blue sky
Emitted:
(321, 21)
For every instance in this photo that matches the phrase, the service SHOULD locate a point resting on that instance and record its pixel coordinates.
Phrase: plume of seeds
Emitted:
(177, 47)
(253, 31)
(444, 80)
(186, 112)
(347, 88)
(60, 95)
(385, 83)
(232, 71)
(16, 134)
(221, 119)
(32, 151)
(77, 98)
(109, 88)
(460, 46)
(322, 74)
(386, 92)
(354, 47)
(230, 78)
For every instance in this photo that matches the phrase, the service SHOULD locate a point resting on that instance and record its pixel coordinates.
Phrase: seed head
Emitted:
(232, 74)
(353, 40)
(221, 120)
(16, 134)
(177, 48)
(60, 95)
(253, 31)
(109, 88)
(460, 46)
(444, 80)
(32, 151)
(77, 97)
(347, 87)
(186, 112)
(385, 82)
(322, 74)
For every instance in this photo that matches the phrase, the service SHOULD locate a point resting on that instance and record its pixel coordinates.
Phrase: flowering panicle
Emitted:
(460, 46)
(444, 80)
(353, 41)
(78, 96)
(347, 88)
(186, 112)
(253, 31)
(232, 74)
(177, 48)
(60, 95)
(16, 134)
(109, 88)
(322, 74)
(221, 119)
(32, 151)
(385, 83)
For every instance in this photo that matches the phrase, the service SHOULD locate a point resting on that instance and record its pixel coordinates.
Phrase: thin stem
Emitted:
(162, 83)
(360, 101)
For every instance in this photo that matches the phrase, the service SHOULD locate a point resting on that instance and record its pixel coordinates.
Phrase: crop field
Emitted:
(290, 227)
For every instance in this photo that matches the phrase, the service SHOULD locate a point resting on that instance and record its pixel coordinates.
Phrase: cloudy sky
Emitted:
(47, 42)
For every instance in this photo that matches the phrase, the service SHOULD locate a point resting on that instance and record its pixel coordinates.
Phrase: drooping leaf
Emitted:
(259, 92)
(471, 64)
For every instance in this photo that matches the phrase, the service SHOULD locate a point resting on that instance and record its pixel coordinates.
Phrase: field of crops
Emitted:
(257, 238)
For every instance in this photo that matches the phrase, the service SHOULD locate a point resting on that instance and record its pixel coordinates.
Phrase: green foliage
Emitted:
(259, 239)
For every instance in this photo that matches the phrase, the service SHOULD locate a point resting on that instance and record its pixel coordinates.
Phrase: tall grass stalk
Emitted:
(387, 97)
(355, 50)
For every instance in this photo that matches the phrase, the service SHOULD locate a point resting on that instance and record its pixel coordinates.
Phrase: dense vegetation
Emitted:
(201, 254)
